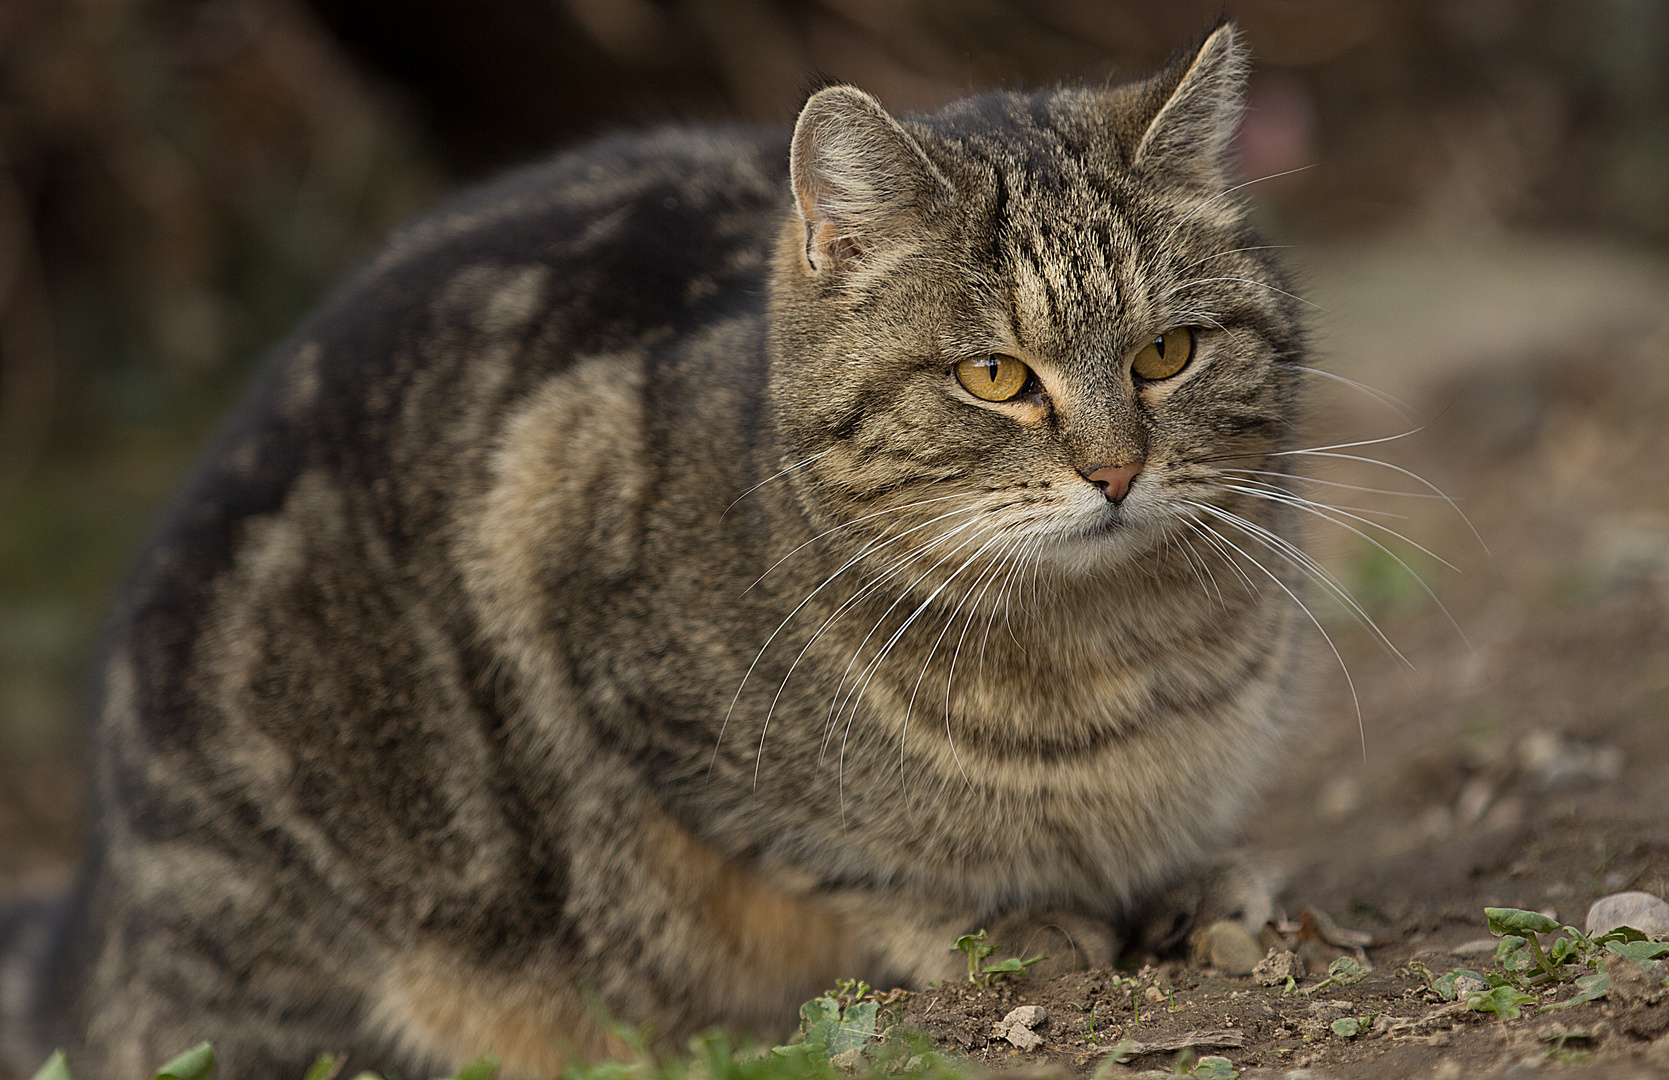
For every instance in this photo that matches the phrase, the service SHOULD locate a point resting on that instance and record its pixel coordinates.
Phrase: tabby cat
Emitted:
(682, 574)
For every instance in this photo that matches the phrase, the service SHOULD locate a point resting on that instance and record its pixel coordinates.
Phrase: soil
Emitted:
(1517, 758)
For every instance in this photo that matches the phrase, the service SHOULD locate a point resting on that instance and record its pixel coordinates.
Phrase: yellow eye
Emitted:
(994, 377)
(1165, 355)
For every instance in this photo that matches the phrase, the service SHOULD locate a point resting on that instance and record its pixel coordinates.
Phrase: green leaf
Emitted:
(1214, 1068)
(1641, 952)
(323, 1068)
(1503, 1001)
(1346, 1027)
(56, 1067)
(195, 1064)
(482, 1068)
(854, 1030)
(1513, 953)
(1508, 920)
(1622, 933)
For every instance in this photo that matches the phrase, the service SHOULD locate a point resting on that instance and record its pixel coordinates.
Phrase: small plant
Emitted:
(976, 948)
(1525, 964)
(1341, 972)
(1348, 1027)
(842, 1019)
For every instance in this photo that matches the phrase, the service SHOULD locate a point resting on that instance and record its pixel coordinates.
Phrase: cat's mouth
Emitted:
(1110, 521)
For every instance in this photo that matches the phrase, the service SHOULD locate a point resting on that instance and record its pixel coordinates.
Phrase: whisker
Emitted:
(848, 564)
(1165, 245)
(783, 472)
(854, 697)
(1301, 560)
(1288, 498)
(909, 708)
(1319, 510)
(1395, 404)
(1245, 281)
(1335, 483)
(1416, 477)
(848, 524)
(1355, 700)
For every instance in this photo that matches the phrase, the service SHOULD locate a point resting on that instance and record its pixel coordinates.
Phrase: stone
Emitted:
(1643, 911)
(1024, 1037)
(1277, 966)
(1227, 946)
(1028, 1015)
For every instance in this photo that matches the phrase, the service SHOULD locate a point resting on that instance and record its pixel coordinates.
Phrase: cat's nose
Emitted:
(1114, 480)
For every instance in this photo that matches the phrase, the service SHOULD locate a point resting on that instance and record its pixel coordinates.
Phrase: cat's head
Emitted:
(1029, 319)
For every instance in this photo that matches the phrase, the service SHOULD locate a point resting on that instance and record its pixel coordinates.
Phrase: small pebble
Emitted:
(1643, 911)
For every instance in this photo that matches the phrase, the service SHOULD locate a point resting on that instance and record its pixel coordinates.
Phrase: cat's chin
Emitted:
(1112, 537)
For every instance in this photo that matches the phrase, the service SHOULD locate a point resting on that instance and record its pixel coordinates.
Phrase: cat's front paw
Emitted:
(1234, 887)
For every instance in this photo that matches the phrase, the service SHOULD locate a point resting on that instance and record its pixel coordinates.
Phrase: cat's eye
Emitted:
(1165, 355)
(993, 377)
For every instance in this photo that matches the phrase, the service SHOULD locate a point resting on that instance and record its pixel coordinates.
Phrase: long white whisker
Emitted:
(1416, 477)
(854, 697)
(1245, 281)
(1216, 542)
(1404, 410)
(782, 472)
(847, 525)
(848, 564)
(1165, 245)
(1302, 560)
(999, 537)
(1319, 510)
(1356, 701)
(1335, 483)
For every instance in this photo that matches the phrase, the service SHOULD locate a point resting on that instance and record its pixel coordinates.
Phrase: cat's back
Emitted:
(293, 687)
(395, 385)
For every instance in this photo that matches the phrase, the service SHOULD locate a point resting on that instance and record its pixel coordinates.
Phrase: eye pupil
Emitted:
(991, 365)
(1159, 343)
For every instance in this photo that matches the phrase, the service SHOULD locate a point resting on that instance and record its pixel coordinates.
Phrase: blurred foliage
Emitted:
(177, 184)
(179, 180)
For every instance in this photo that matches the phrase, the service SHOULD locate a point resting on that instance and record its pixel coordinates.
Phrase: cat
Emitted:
(679, 575)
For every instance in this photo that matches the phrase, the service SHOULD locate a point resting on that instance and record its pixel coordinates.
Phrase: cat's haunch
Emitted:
(700, 568)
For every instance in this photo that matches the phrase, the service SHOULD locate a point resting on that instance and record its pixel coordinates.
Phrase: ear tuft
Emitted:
(859, 178)
(1200, 108)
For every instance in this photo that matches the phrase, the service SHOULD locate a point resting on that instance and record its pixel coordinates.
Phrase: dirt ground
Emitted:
(1518, 758)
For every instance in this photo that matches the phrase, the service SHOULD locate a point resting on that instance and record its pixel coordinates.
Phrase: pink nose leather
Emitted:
(1114, 480)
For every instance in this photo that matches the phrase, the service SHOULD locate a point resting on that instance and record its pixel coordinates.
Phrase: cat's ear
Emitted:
(859, 178)
(1196, 106)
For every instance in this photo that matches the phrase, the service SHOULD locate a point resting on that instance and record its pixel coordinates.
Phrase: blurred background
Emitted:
(1477, 191)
